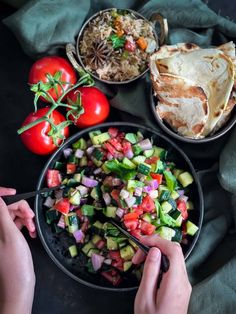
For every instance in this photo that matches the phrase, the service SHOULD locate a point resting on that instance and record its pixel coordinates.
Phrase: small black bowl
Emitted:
(165, 127)
(57, 245)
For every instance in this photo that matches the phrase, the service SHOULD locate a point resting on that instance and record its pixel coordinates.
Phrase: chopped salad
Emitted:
(121, 176)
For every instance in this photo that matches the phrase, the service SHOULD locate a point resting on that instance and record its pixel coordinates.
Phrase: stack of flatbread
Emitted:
(195, 87)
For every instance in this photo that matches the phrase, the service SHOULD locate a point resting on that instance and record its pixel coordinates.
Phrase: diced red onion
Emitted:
(153, 216)
(130, 201)
(138, 191)
(181, 192)
(83, 201)
(147, 189)
(116, 182)
(108, 261)
(89, 150)
(97, 171)
(79, 153)
(153, 184)
(184, 198)
(120, 212)
(184, 241)
(90, 183)
(119, 155)
(61, 222)
(124, 194)
(58, 194)
(107, 198)
(109, 156)
(67, 152)
(49, 202)
(72, 207)
(79, 236)
(97, 261)
(153, 193)
(145, 144)
(129, 154)
(83, 190)
(100, 244)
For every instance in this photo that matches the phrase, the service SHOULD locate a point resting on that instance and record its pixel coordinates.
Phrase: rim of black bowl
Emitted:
(137, 14)
(222, 131)
(70, 141)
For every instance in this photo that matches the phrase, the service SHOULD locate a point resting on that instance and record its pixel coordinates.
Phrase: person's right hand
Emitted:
(174, 292)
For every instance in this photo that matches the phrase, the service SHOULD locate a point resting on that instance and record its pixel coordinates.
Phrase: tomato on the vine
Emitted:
(37, 139)
(53, 66)
(94, 103)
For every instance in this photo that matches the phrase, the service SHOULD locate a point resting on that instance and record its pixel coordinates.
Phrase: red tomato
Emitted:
(70, 168)
(114, 142)
(157, 177)
(95, 104)
(138, 210)
(118, 264)
(113, 132)
(112, 276)
(133, 215)
(181, 205)
(51, 65)
(131, 224)
(152, 160)
(130, 45)
(63, 206)
(53, 178)
(115, 255)
(115, 194)
(148, 204)
(36, 139)
(147, 228)
(100, 244)
(136, 233)
(126, 146)
(110, 149)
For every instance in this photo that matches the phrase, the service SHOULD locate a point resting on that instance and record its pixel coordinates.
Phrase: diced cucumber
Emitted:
(105, 169)
(162, 188)
(83, 161)
(164, 195)
(59, 165)
(81, 144)
(96, 193)
(178, 235)
(185, 178)
(51, 215)
(191, 228)
(71, 182)
(172, 203)
(110, 211)
(75, 198)
(127, 265)
(98, 154)
(87, 247)
(101, 138)
(97, 163)
(122, 244)
(131, 137)
(136, 149)
(94, 133)
(133, 184)
(56, 228)
(72, 159)
(77, 177)
(73, 250)
(133, 244)
(159, 167)
(91, 251)
(147, 217)
(148, 153)
(189, 205)
(159, 152)
(127, 253)
(98, 224)
(174, 195)
(177, 216)
(177, 172)
(144, 168)
(138, 200)
(71, 221)
(111, 244)
(87, 210)
(128, 163)
(96, 238)
(166, 232)
(166, 207)
(138, 159)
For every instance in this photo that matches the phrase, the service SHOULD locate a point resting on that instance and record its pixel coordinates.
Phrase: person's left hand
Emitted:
(20, 212)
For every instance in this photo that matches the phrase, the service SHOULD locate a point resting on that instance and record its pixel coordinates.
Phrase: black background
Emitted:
(55, 292)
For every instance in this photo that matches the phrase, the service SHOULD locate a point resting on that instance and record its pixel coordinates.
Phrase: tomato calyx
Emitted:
(76, 107)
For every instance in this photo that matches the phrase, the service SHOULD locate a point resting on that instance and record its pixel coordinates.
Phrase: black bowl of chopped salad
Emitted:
(119, 171)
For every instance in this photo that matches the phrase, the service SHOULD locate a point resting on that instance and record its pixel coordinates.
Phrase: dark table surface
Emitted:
(55, 292)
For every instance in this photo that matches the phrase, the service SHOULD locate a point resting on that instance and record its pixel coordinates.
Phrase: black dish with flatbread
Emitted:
(193, 93)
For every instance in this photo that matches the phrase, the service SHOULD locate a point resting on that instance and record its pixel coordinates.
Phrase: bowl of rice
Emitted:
(114, 45)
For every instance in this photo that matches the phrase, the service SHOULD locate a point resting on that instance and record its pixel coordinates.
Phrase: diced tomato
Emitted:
(112, 276)
(130, 45)
(138, 210)
(79, 213)
(53, 178)
(152, 160)
(131, 224)
(114, 142)
(147, 228)
(113, 132)
(118, 264)
(100, 244)
(115, 255)
(157, 177)
(70, 168)
(121, 136)
(148, 204)
(85, 226)
(126, 146)
(115, 194)
(63, 206)
(90, 163)
(181, 205)
(133, 215)
(110, 148)
(184, 229)
(136, 233)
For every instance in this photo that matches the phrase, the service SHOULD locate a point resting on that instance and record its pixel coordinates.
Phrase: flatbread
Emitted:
(212, 70)
(181, 104)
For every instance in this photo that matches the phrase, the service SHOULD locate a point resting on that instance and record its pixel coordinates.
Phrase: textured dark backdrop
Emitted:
(55, 292)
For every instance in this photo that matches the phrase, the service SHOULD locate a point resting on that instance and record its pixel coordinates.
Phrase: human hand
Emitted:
(174, 292)
(17, 278)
